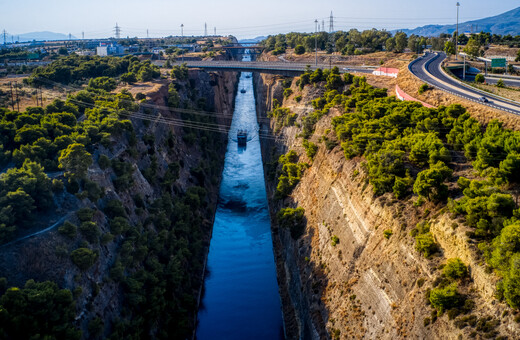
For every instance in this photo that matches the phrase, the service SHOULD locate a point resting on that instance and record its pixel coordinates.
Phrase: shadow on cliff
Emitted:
(307, 280)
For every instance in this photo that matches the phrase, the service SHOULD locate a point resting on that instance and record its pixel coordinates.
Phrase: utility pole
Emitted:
(331, 23)
(117, 31)
(12, 96)
(182, 40)
(316, 42)
(457, 34)
(17, 100)
(464, 69)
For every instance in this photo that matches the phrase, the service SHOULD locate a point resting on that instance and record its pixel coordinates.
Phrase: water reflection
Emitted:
(241, 298)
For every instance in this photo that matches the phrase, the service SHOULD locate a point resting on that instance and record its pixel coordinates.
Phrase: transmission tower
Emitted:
(323, 25)
(5, 37)
(147, 35)
(82, 35)
(214, 31)
(331, 23)
(117, 31)
(205, 29)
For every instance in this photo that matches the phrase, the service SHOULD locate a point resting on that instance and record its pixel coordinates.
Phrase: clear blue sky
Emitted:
(238, 17)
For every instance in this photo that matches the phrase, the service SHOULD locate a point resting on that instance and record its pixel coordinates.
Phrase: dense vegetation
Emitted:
(46, 153)
(352, 42)
(411, 152)
(77, 69)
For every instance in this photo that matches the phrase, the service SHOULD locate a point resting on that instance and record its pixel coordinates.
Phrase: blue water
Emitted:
(241, 298)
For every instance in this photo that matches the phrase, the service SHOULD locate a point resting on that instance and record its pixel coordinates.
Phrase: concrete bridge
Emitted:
(281, 68)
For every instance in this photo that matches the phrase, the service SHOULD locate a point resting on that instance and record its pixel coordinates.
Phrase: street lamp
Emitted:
(316, 41)
(457, 34)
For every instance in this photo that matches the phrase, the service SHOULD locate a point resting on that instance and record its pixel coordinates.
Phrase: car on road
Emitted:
(483, 100)
(346, 69)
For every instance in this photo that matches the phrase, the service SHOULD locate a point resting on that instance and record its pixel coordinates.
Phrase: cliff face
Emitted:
(147, 157)
(343, 278)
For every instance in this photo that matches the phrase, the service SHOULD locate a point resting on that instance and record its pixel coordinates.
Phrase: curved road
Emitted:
(428, 69)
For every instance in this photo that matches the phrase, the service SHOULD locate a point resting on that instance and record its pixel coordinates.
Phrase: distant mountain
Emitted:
(251, 40)
(506, 23)
(39, 36)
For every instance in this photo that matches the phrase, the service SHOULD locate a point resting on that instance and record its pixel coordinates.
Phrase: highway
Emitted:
(270, 67)
(428, 69)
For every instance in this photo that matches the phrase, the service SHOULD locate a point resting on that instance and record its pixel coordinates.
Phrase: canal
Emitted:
(241, 299)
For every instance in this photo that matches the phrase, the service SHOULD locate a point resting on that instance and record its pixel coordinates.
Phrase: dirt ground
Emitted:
(28, 96)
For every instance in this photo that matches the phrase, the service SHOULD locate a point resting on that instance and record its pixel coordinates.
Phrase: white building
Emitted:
(112, 49)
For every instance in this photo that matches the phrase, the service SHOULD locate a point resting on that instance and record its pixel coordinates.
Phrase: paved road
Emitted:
(493, 79)
(271, 67)
(428, 69)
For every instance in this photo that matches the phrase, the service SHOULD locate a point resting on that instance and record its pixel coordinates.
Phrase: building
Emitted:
(112, 49)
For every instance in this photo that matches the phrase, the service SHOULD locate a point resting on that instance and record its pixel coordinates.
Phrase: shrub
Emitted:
(387, 233)
(425, 244)
(310, 149)
(334, 240)
(298, 98)
(479, 78)
(501, 83)
(68, 229)
(445, 298)
(57, 186)
(423, 88)
(104, 162)
(292, 219)
(455, 269)
(85, 214)
(90, 231)
(287, 92)
(84, 258)
(299, 49)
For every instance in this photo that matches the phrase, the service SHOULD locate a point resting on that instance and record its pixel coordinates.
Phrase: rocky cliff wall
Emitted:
(149, 154)
(343, 278)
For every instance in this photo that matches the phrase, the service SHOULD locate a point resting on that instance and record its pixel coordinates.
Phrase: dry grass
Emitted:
(371, 59)
(27, 95)
(510, 93)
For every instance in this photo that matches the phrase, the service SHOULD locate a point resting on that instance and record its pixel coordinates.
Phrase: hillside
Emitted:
(45, 35)
(370, 224)
(505, 23)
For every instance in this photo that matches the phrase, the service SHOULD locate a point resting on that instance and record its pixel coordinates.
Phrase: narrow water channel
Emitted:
(241, 298)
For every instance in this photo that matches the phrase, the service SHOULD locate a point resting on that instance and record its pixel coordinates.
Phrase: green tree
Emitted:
(75, 160)
(473, 47)
(449, 48)
(430, 182)
(292, 219)
(455, 269)
(479, 78)
(401, 41)
(84, 258)
(299, 49)
(445, 298)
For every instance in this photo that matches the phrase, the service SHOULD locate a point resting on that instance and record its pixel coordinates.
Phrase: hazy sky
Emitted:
(238, 17)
